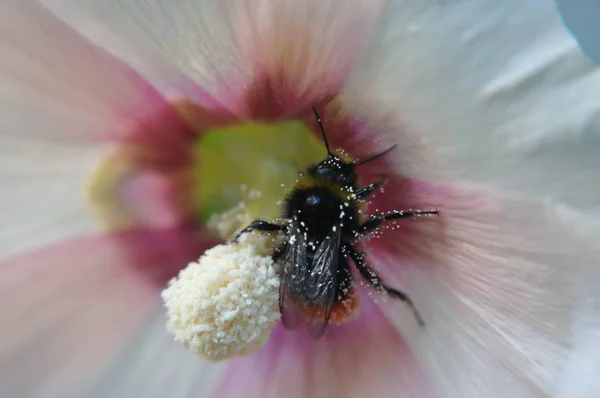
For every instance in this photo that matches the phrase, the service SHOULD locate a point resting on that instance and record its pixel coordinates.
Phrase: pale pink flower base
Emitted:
(365, 357)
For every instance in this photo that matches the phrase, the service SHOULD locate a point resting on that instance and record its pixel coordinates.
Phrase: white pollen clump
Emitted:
(227, 225)
(226, 304)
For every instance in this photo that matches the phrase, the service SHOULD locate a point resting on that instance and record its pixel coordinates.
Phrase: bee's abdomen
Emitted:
(345, 305)
(342, 311)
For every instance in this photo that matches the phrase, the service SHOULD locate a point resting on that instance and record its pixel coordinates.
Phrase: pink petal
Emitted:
(69, 309)
(57, 84)
(45, 201)
(498, 281)
(365, 357)
(300, 53)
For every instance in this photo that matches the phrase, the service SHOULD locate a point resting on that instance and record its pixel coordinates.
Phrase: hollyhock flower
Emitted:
(493, 108)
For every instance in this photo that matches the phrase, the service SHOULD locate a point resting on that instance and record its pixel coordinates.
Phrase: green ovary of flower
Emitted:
(262, 157)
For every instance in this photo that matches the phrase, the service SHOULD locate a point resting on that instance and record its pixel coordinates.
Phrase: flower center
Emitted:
(167, 177)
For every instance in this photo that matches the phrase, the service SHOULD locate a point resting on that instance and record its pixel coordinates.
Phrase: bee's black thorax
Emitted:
(319, 209)
(323, 198)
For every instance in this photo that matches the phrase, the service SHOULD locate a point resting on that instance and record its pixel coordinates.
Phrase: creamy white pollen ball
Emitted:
(226, 304)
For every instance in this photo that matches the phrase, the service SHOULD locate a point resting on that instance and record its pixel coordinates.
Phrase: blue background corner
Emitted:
(582, 19)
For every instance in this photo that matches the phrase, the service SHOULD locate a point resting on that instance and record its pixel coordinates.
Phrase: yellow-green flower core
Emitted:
(261, 157)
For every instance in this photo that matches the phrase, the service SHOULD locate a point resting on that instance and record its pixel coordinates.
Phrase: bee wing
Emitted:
(293, 277)
(322, 281)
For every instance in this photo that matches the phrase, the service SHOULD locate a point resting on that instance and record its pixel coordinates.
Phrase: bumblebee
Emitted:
(322, 226)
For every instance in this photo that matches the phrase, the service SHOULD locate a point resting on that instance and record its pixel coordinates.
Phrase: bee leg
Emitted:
(258, 225)
(375, 221)
(366, 191)
(375, 280)
(280, 251)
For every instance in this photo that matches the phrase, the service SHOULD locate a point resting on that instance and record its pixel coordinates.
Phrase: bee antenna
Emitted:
(376, 156)
(322, 131)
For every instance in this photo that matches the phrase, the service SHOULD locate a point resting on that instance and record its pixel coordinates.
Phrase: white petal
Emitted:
(226, 46)
(154, 365)
(499, 281)
(578, 379)
(43, 196)
(498, 91)
(160, 42)
(584, 358)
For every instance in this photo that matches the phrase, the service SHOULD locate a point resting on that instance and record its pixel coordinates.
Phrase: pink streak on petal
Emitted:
(267, 99)
(365, 357)
(165, 137)
(79, 90)
(300, 55)
(158, 254)
(401, 193)
(221, 103)
(157, 190)
(68, 309)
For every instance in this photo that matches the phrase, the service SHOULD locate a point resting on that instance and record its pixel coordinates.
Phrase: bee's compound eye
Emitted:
(350, 179)
(323, 169)
(312, 200)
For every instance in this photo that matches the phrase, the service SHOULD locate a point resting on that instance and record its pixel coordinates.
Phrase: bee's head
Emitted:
(334, 170)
